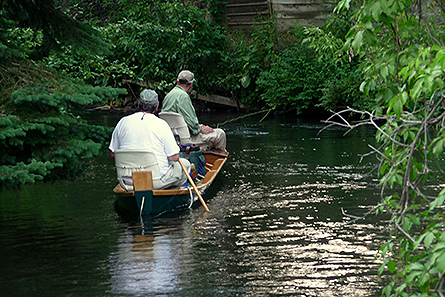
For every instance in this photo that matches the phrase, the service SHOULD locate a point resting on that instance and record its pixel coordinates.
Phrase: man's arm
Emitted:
(111, 154)
(174, 158)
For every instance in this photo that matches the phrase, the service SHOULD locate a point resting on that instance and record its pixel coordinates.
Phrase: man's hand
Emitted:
(206, 129)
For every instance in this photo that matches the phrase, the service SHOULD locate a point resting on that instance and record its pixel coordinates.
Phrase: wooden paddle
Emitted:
(193, 185)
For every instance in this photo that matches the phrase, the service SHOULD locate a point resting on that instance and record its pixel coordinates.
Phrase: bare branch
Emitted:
(356, 218)
(440, 285)
(403, 231)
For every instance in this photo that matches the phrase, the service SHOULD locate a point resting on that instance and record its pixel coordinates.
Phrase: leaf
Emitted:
(382, 267)
(392, 266)
(441, 263)
(362, 86)
(419, 240)
(245, 81)
(370, 37)
(415, 266)
(438, 147)
(416, 90)
(429, 239)
(410, 277)
(396, 105)
(384, 71)
(438, 246)
(404, 97)
(414, 219)
(433, 257)
(438, 201)
(358, 40)
(387, 290)
(400, 288)
(376, 11)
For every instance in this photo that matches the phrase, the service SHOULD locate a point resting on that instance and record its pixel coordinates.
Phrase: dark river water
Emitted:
(276, 225)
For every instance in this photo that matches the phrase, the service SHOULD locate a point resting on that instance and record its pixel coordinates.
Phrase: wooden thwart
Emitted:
(142, 180)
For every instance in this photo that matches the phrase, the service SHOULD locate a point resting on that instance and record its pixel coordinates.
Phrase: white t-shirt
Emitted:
(145, 131)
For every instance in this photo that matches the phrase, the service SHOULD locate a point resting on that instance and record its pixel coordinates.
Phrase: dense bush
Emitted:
(40, 137)
(152, 45)
(248, 55)
(263, 68)
(295, 79)
(103, 70)
(281, 70)
(168, 39)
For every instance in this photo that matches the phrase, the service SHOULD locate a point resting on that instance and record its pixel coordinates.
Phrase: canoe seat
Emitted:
(179, 128)
(177, 125)
(129, 160)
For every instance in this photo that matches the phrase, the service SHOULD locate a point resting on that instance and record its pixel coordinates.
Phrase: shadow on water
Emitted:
(275, 225)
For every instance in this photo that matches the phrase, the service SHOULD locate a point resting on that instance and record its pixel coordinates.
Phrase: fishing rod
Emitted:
(248, 115)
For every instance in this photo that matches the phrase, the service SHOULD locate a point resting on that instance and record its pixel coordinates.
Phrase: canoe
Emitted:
(161, 201)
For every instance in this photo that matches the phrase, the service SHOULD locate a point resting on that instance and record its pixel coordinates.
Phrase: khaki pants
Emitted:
(215, 140)
(174, 177)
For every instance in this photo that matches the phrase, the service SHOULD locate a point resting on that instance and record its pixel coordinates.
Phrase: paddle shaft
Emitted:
(193, 185)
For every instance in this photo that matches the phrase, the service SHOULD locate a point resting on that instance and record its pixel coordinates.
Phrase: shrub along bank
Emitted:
(262, 69)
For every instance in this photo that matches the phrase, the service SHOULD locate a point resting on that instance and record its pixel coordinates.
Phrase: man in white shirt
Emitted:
(143, 130)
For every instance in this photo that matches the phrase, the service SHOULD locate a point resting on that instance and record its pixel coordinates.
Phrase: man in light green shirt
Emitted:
(178, 100)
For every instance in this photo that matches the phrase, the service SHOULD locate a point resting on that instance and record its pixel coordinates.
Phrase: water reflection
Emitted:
(147, 258)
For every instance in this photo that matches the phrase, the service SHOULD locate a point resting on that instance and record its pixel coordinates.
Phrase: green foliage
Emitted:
(328, 40)
(40, 138)
(7, 49)
(248, 56)
(216, 8)
(93, 69)
(96, 69)
(150, 45)
(341, 89)
(96, 12)
(57, 28)
(403, 64)
(22, 173)
(280, 70)
(295, 79)
(338, 25)
(324, 43)
(154, 44)
(311, 73)
(166, 38)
